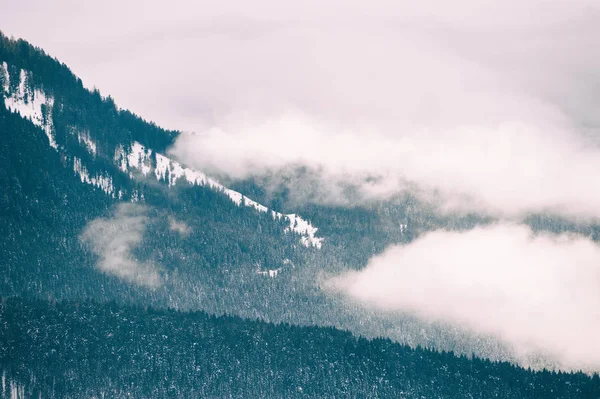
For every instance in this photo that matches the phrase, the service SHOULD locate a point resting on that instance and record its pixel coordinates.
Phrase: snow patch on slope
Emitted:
(6, 80)
(171, 172)
(103, 182)
(33, 105)
(302, 227)
(139, 158)
(90, 145)
(270, 273)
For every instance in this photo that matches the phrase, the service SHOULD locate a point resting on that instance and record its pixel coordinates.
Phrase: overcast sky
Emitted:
(483, 105)
(187, 64)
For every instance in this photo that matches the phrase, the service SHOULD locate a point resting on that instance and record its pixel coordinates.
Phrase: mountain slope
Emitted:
(93, 350)
(94, 208)
(33, 103)
(90, 140)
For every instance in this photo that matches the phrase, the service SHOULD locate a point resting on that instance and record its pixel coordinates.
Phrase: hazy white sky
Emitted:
(187, 64)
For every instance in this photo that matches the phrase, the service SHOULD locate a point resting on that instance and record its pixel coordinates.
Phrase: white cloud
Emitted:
(113, 240)
(539, 293)
(178, 226)
(507, 170)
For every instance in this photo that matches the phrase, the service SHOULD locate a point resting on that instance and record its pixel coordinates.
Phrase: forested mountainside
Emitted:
(85, 349)
(78, 107)
(94, 209)
(75, 156)
(85, 179)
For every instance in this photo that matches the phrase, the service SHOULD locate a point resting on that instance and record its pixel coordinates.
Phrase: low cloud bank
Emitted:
(114, 238)
(475, 106)
(538, 293)
(509, 170)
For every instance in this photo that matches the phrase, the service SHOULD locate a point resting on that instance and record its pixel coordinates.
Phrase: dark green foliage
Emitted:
(37, 191)
(355, 233)
(45, 207)
(66, 351)
(79, 107)
(86, 349)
